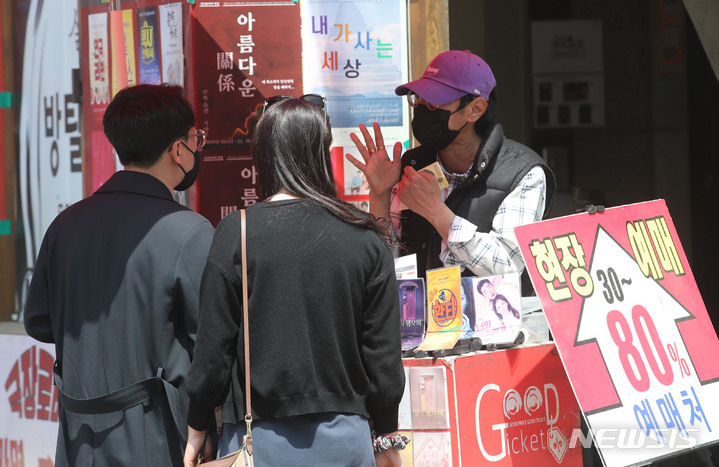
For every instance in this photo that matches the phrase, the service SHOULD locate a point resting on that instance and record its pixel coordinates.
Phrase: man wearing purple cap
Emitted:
(495, 184)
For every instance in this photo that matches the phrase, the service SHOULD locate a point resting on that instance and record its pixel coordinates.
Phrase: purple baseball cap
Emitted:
(451, 75)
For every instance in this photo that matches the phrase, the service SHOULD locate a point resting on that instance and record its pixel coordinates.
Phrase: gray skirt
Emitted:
(324, 439)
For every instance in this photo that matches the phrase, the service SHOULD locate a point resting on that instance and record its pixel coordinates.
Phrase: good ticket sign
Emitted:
(631, 328)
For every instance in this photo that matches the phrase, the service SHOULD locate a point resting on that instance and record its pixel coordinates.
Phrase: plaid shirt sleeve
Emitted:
(497, 251)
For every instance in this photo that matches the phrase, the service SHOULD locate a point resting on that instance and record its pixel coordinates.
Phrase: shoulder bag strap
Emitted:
(246, 323)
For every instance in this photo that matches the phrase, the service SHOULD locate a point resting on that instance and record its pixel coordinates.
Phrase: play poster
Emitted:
(444, 320)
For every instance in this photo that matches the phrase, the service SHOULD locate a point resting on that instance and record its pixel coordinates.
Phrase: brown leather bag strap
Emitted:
(245, 318)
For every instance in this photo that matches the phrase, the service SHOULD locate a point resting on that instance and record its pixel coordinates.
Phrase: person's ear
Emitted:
(477, 108)
(175, 152)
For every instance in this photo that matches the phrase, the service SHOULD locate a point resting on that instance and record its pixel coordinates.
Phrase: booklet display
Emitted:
(412, 305)
(405, 267)
(428, 389)
(444, 309)
(497, 308)
(448, 309)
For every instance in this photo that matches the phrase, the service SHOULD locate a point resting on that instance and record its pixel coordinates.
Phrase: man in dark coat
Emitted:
(116, 289)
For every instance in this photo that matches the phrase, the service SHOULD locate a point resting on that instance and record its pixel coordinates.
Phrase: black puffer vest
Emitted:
(499, 166)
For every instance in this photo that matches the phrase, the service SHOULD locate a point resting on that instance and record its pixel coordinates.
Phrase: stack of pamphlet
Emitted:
(447, 314)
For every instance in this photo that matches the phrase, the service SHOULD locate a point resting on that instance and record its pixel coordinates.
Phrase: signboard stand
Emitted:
(631, 328)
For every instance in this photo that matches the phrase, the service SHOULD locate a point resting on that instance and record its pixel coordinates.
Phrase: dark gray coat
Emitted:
(116, 289)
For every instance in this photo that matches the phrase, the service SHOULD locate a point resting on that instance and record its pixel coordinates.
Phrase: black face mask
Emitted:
(190, 176)
(431, 127)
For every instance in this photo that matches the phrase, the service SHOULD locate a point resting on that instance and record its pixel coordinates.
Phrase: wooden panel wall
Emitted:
(428, 35)
(428, 32)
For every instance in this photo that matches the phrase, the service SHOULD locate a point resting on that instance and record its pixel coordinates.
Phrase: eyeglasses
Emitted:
(414, 100)
(316, 99)
(200, 138)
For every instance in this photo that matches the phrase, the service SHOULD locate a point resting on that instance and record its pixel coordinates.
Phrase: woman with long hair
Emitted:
(324, 316)
(503, 309)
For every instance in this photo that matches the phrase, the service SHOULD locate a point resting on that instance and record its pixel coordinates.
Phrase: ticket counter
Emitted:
(503, 407)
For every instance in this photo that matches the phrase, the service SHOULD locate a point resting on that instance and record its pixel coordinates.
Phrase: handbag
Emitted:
(242, 457)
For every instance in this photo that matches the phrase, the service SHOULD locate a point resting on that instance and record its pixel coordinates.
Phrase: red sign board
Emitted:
(244, 53)
(521, 412)
(631, 328)
(508, 407)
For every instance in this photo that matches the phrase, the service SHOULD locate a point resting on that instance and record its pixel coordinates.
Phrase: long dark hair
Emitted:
(291, 150)
(511, 309)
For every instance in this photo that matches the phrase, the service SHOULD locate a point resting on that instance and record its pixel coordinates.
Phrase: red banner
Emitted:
(630, 326)
(507, 407)
(244, 53)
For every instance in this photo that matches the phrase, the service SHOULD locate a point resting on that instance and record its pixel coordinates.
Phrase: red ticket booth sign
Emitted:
(506, 407)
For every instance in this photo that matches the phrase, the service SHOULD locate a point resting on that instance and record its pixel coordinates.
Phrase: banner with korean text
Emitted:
(29, 407)
(631, 328)
(245, 52)
(355, 53)
(49, 137)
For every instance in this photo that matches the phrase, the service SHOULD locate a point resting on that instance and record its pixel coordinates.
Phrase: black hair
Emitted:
(291, 150)
(481, 283)
(143, 121)
(466, 283)
(487, 119)
(511, 309)
(465, 100)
